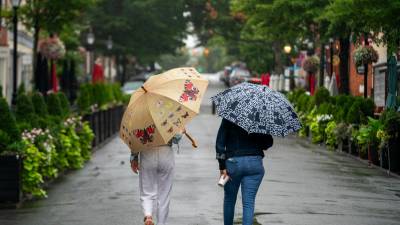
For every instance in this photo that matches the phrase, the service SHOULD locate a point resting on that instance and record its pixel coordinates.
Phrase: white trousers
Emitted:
(155, 181)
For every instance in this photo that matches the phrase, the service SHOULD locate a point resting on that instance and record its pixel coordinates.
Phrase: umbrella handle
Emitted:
(191, 139)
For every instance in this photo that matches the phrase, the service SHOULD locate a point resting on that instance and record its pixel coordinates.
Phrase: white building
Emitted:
(24, 66)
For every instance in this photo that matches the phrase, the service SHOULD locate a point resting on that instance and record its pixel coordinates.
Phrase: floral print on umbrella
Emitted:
(145, 135)
(190, 92)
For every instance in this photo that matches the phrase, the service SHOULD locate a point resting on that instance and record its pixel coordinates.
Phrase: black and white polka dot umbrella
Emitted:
(257, 109)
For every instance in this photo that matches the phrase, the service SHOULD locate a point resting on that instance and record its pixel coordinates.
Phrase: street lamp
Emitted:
(287, 49)
(109, 47)
(15, 5)
(90, 41)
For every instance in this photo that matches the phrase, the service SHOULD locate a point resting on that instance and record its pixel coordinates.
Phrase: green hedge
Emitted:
(59, 142)
(99, 96)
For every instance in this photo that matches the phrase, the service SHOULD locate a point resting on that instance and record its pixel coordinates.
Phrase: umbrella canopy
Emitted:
(392, 82)
(257, 109)
(333, 89)
(162, 107)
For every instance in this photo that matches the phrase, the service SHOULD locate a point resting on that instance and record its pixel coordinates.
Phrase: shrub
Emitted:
(85, 98)
(367, 108)
(39, 104)
(353, 115)
(117, 93)
(1, 91)
(64, 103)
(21, 89)
(325, 108)
(321, 96)
(32, 180)
(8, 124)
(25, 112)
(54, 105)
(331, 138)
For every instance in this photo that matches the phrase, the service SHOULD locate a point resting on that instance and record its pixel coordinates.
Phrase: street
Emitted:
(304, 184)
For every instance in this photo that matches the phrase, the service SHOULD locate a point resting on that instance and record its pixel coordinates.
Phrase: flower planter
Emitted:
(344, 146)
(10, 180)
(384, 158)
(373, 156)
(104, 123)
(394, 155)
(353, 148)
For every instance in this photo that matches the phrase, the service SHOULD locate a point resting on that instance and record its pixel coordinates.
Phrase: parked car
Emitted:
(131, 86)
(238, 76)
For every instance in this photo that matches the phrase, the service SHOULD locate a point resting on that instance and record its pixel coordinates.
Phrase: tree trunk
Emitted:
(344, 65)
(276, 47)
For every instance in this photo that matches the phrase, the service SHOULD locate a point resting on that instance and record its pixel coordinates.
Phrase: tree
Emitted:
(54, 16)
(145, 29)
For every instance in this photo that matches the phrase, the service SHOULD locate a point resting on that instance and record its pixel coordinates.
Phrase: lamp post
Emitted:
(15, 5)
(90, 41)
(287, 49)
(109, 47)
(331, 55)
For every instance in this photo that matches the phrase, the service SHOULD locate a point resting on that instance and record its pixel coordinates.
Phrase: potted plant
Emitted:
(342, 133)
(331, 138)
(391, 127)
(10, 159)
(365, 54)
(368, 141)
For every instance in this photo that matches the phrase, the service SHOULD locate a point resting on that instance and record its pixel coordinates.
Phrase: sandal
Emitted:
(148, 220)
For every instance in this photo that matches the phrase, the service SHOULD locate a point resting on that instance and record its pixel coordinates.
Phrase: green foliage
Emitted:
(322, 96)
(331, 137)
(85, 98)
(8, 125)
(367, 108)
(117, 93)
(342, 132)
(325, 108)
(318, 126)
(99, 95)
(21, 89)
(32, 180)
(39, 104)
(25, 112)
(54, 105)
(368, 134)
(354, 114)
(5, 140)
(86, 137)
(391, 123)
(1, 91)
(155, 20)
(64, 103)
(70, 146)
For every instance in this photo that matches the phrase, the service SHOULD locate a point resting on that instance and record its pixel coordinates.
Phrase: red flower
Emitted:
(150, 130)
(184, 97)
(139, 133)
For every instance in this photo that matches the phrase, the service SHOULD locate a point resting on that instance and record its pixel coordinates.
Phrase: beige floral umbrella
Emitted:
(162, 107)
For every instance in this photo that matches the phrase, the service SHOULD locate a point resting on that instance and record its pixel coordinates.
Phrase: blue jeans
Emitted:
(247, 172)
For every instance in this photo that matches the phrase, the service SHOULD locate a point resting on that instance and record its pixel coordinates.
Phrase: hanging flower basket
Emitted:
(365, 55)
(311, 64)
(52, 48)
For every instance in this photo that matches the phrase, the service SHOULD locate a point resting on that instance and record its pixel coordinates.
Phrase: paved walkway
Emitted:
(304, 185)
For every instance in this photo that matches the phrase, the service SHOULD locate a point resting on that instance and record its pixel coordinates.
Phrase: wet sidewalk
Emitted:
(303, 185)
